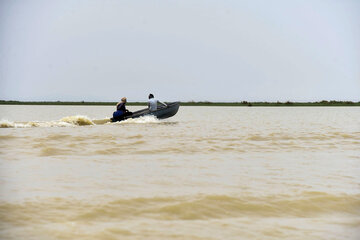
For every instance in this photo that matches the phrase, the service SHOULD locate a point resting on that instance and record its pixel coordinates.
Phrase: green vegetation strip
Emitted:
(192, 103)
(83, 103)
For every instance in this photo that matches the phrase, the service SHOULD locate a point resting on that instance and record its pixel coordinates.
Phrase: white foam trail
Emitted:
(55, 124)
(70, 121)
(10, 124)
(144, 119)
(73, 121)
(77, 120)
(6, 124)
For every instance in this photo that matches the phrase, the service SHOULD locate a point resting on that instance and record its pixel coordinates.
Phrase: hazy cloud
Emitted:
(180, 50)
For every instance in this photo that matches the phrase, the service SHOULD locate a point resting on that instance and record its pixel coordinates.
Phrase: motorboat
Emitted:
(162, 112)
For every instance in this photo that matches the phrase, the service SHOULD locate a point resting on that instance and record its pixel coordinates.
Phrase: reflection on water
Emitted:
(207, 173)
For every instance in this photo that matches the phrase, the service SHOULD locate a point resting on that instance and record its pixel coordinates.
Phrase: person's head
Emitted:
(123, 100)
(151, 96)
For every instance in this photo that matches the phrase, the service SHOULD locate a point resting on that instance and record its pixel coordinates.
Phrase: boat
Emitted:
(162, 112)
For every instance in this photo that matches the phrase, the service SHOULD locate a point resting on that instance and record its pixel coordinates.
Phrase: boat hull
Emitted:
(161, 113)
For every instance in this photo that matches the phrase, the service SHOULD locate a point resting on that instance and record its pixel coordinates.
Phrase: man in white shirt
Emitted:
(153, 103)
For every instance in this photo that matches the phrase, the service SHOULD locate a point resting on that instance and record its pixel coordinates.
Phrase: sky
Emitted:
(228, 50)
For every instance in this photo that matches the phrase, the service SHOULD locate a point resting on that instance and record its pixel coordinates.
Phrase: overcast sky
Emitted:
(254, 50)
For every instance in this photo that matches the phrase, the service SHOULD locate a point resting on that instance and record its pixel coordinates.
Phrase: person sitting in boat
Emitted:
(121, 111)
(153, 103)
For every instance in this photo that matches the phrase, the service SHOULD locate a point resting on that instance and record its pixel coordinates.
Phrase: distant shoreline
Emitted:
(192, 103)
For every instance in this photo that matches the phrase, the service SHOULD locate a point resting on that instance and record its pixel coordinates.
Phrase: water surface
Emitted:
(206, 173)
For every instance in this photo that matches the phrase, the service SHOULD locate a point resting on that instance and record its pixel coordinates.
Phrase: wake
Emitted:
(74, 121)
